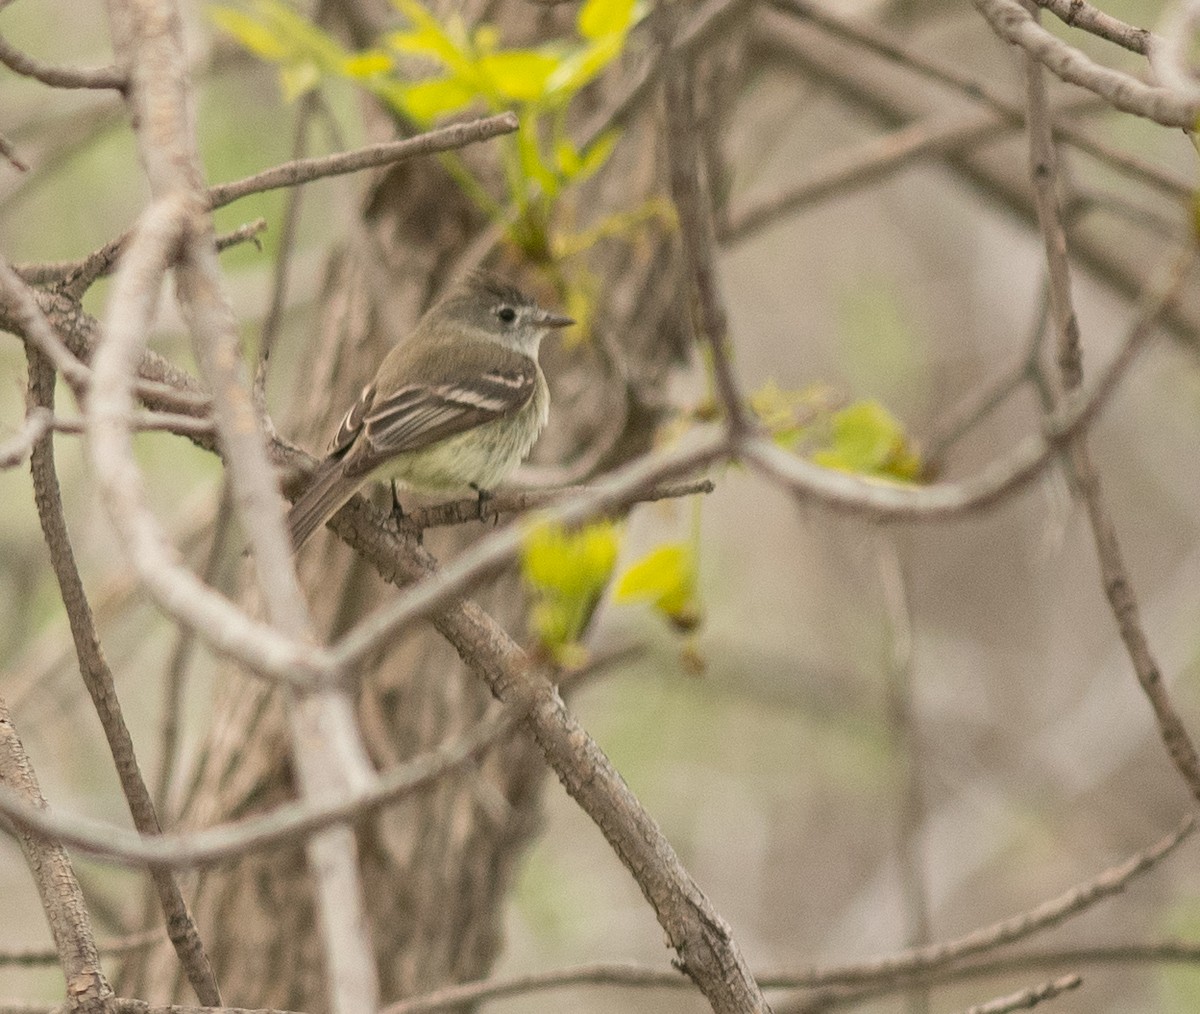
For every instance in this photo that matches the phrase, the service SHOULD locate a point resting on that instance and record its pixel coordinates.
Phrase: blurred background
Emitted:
(879, 734)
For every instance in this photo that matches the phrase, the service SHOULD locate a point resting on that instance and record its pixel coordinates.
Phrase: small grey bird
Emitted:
(459, 404)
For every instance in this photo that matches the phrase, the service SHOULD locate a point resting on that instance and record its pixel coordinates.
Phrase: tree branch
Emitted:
(62, 900)
(98, 679)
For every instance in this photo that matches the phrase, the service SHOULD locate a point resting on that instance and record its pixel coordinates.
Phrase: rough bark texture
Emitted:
(437, 867)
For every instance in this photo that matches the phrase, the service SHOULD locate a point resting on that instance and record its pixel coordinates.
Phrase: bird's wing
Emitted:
(415, 416)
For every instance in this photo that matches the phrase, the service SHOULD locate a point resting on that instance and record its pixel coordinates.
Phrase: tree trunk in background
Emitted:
(436, 867)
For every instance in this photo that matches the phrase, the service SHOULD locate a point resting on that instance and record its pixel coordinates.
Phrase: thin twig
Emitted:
(1004, 477)
(9, 153)
(1118, 587)
(17, 447)
(694, 208)
(282, 826)
(40, 956)
(305, 170)
(1015, 25)
(61, 897)
(98, 679)
(713, 17)
(75, 277)
(106, 78)
(465, 511)
(1083, 15)
(1027, 998)
(916, 59)
(598, 974)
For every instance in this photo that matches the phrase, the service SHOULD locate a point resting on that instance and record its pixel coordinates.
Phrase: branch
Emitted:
(597, 974)
(1081, 14)
(124, 945)
(327, 752)
(177, 590)
(1014, 24)
(1027, 998)
(74, 277)
(1000, 480)
(465, 511)
(702, 940)
(62, 900)
(1118, 587)
(18, 447)
(98, 679)
(106, 78)
(913, 58)
(305, 170)
(693, 205)
(715, 16)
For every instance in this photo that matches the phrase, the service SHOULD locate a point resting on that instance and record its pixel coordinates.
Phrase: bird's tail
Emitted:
(328, 489)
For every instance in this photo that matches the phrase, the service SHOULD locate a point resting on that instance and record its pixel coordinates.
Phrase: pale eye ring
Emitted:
(507, 314)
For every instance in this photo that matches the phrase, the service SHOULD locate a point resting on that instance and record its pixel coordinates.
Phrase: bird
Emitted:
(459, 404)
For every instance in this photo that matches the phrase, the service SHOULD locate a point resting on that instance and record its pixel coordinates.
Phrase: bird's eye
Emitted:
(507, 314)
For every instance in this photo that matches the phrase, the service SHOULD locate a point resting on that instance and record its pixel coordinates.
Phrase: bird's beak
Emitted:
(548, 319)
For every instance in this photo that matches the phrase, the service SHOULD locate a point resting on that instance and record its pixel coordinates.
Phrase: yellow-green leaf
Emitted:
(570, 562)
(305, 39)
(867, 439)
(567, 572)
(426, 101)
(598, 18)
(581, 66)
(518, 75)
(252, 33)
(368, 64)
(666, 577)
(429, 38)
(789, 415)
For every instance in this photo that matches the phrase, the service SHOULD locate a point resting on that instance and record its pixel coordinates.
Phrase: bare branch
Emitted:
(125, 945)
(1015, 25)
(281, 826)
(62, 900)
(328, 755)
(305, 170)
(1117, 584)
(1083, 15)
(106, 78)
(701, 938)
(1048, 914)
(713, 17)
(17, 448)
(598, 974)
(135, 292)
(893, 502)
(98, 679)
(1027, 998)
(8, 152)
(693, 205)
(459, 512)
(905, 54)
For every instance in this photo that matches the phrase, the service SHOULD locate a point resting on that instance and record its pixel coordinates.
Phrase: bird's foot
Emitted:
(484, 496)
